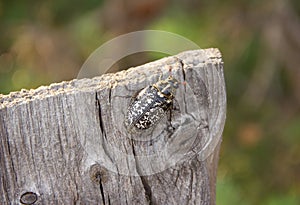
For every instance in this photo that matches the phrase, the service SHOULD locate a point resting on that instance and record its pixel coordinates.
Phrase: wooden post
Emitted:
(67, 144)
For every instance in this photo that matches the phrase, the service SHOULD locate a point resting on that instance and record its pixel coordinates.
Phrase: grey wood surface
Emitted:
(67, 144)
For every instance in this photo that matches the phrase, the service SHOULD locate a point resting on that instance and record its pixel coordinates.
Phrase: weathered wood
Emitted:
(66, 143)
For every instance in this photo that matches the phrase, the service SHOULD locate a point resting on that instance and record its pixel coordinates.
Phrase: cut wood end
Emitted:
(131, 75)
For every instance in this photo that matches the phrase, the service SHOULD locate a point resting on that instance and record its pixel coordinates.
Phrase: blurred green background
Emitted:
(47, 41)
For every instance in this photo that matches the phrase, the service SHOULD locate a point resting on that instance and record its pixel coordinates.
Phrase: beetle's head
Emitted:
(168, 86)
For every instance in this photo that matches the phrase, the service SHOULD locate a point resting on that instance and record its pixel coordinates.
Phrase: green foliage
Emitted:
(228, 193)
(290, 199)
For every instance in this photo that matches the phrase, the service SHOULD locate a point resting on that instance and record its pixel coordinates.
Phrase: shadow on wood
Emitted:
(66, 143)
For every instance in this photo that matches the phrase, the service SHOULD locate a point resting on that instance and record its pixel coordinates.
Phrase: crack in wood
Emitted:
(147, 188)
(96, 177)
(9, 157)
(108, 199)
(102, 129)
(182, 69)
(102, 190)
(98, 107)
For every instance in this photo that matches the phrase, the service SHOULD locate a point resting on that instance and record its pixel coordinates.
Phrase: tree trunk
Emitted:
(67, 143)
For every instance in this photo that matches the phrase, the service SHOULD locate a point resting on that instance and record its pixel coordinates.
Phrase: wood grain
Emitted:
(67, 142)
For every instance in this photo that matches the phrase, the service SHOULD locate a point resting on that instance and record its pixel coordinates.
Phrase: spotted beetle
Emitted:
(151, 104)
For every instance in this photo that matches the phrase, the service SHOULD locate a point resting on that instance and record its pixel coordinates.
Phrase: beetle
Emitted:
(151, 104)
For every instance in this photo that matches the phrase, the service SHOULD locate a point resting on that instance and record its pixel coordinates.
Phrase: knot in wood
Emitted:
(98, 174)
(28, 198)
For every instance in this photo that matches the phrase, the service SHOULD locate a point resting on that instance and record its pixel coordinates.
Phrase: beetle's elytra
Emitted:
(151, 104)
